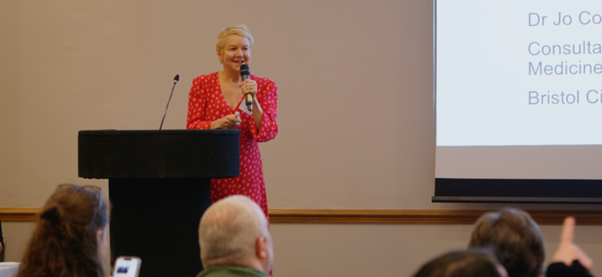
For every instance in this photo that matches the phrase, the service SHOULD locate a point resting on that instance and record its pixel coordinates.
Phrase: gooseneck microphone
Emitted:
(245, 73)
(175, 81)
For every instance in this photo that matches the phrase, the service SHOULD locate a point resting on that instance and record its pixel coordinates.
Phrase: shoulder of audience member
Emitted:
(559, 269)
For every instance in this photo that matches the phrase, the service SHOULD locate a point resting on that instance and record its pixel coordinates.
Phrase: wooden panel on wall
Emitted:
(373, 216)
(419, 216)
(18, 214)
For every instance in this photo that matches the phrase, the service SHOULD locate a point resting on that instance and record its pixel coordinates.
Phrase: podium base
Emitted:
(157, 220)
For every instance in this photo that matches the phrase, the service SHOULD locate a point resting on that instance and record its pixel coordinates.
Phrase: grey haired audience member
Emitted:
(235, 240)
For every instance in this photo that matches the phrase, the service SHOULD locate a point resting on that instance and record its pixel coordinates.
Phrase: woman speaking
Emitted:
(217, 101)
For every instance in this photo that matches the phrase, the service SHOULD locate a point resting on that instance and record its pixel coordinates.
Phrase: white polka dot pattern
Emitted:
(206, 103)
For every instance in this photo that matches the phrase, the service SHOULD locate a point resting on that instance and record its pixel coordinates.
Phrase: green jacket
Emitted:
(231, 271)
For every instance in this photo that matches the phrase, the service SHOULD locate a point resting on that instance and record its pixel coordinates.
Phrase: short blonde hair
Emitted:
(240, 30)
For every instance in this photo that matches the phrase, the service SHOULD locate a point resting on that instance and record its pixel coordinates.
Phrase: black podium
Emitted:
(159, 189)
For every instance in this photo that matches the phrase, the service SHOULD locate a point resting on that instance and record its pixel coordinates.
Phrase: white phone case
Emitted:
(127, 267)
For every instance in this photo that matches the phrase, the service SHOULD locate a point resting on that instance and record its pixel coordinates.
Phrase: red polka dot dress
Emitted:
(206, 103)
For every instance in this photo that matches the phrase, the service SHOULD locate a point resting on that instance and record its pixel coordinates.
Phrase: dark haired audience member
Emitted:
(69, 239)
(515, 239)
(465, 263)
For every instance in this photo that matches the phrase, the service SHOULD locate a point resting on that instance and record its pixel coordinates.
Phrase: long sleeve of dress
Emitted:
(197, 104)
(268, 100)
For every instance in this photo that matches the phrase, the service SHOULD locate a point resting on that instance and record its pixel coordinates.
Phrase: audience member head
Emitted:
(465, 263)
(234, 231)
(515, 238)
(70, 236)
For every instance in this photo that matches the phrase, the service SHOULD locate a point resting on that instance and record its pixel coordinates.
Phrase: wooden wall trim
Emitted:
(419, 216)
(372, 216)
(18, 214)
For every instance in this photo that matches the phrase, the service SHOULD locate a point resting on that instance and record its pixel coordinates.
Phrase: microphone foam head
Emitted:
(177, 78)
(244, 70)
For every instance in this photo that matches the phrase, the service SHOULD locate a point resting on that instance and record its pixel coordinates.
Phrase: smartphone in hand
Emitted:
(127, 267)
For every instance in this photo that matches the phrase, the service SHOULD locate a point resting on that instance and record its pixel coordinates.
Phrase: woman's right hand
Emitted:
(227, 122)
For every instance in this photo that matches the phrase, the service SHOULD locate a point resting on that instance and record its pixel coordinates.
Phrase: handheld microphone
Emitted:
(245, 73)
(175, 81)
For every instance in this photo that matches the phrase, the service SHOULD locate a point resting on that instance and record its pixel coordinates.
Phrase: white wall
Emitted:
(354, 77)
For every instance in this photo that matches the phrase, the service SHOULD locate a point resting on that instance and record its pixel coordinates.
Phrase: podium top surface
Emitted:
(112, 132)
(158, 154)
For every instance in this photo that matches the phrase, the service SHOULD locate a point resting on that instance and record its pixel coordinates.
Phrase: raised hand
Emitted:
(567, 250)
